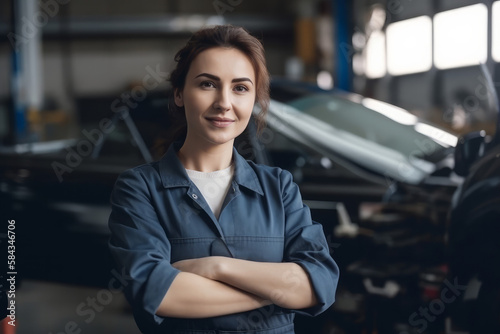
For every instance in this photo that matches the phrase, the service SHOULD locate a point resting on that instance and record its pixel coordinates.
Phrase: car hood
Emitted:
(345, 148)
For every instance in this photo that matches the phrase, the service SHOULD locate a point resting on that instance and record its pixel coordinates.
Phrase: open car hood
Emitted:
(369, 158)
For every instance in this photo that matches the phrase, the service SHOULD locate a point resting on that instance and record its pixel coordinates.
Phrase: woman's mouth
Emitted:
(220, 122)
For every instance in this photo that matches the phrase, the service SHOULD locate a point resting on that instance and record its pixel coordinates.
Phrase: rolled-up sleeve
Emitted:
(306, 245)
(140, 247)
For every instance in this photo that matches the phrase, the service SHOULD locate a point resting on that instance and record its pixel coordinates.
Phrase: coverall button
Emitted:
(194, 196)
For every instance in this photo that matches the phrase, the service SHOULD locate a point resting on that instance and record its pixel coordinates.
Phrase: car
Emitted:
(394, 175)
(474, 225)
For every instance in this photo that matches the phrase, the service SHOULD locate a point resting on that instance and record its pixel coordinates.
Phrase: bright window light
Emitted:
(358, 64)
(461, 37)
(438, 135)
(409, 46)
(388, 110)
(495, 45)
(324, 80)
(375, 55)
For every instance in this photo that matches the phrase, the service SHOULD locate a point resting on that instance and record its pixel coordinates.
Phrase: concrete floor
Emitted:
(53, 308)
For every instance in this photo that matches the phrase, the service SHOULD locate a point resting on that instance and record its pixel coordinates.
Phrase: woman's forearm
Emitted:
(285, 284)
(194, 296)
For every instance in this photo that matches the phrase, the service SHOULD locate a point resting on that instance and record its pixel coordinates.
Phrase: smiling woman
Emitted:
(218, 97)
(205, 236)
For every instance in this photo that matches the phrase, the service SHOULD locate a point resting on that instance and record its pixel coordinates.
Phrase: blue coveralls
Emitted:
(160, 217)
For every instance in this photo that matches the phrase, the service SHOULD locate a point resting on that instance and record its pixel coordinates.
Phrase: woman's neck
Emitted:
(205, 158)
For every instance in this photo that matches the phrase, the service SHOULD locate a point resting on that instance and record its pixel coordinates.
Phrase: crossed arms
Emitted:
(215, 285)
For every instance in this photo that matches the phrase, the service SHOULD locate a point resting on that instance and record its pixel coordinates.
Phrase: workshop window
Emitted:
(495, 45)
(461, 37)
(409, 46)
(376, 56)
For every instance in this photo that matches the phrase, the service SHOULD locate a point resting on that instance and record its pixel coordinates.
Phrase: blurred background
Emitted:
(386, 113)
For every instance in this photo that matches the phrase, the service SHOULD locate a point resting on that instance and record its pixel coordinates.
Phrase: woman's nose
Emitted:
(223, 101)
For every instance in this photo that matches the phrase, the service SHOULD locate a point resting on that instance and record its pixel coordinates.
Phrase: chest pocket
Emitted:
(253, 248)
(190, 248)
(256, 248)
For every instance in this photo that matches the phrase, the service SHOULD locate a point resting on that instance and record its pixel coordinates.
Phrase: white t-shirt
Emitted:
(213, 186)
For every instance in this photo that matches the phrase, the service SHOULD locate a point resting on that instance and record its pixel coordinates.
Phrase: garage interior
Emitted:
(410, 211)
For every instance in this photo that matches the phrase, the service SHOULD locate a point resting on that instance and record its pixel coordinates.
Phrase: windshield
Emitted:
(378, 127)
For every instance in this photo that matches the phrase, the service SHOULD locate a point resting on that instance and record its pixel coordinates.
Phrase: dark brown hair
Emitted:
(225, 36)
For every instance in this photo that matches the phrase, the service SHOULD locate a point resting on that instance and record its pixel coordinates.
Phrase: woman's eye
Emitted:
(207, 84)
(241, 88)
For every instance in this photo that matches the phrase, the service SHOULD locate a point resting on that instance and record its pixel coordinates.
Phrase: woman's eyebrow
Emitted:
(216, 78)
(242, 79)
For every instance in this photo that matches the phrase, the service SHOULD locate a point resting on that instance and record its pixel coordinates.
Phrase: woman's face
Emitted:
(218, 95)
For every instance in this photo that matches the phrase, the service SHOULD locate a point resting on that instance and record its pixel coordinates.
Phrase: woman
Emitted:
(210, 242)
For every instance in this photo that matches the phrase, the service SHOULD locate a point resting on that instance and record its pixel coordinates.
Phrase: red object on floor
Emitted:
(6, 328)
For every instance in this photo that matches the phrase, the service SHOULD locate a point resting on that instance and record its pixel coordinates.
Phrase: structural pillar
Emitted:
(26, 76)
(341, 9)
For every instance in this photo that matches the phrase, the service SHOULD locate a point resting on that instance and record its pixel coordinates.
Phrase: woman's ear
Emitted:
(178, 98)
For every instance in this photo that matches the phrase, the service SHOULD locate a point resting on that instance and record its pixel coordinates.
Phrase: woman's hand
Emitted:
(208, 267)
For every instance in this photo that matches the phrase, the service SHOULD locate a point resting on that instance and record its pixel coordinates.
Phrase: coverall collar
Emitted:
(173, 173)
